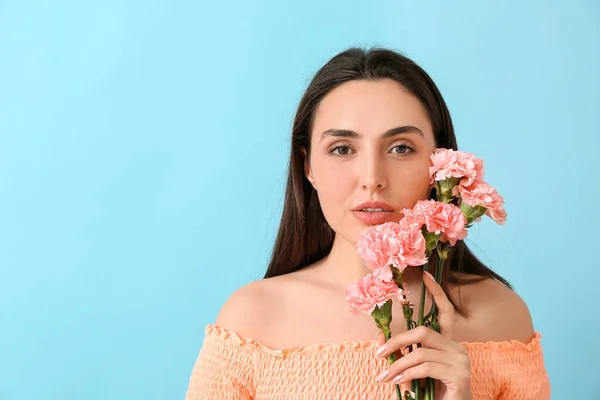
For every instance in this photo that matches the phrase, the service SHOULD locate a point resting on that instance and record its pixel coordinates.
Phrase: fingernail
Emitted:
(382, 375)
(397, 378)
(427, 274)
(381, 350)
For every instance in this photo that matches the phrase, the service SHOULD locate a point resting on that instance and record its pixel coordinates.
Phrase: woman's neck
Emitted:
(343, 265)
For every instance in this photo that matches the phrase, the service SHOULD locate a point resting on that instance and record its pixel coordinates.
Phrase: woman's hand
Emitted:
(438, 357)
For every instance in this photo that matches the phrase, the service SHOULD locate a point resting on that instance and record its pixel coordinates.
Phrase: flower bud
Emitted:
(383, 315)
(447, 189)
(472, 213)
(431, 240)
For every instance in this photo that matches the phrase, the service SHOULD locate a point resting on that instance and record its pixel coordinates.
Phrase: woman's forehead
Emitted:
(370, 108)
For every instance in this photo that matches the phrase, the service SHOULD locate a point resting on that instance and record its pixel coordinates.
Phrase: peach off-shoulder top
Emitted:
(234, 367)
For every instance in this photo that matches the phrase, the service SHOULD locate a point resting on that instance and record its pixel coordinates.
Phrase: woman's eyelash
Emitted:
(338, 146)
(405, 146)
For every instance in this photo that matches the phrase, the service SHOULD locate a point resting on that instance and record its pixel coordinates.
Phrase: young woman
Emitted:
(360, 150)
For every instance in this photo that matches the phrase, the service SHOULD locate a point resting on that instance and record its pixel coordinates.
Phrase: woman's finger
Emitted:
(459, 377)
(445, 308)
(381, 340)
(421, 334)
(416, 357)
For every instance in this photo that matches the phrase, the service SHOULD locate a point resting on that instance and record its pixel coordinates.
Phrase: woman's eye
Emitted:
(402, 149)
(340, 150)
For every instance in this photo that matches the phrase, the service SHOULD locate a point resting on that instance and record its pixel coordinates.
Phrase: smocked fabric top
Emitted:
(230, 367)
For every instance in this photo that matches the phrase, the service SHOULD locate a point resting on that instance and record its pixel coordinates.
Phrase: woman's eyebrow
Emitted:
(347, 133)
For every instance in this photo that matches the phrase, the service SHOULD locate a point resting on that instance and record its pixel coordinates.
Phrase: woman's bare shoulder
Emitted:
(496, 311)
(250, 309)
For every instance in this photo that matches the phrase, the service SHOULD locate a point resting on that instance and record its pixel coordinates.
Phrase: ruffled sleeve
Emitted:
(223, 370)
(516, 370)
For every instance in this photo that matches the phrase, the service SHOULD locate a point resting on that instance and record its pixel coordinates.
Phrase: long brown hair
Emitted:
(304, 236)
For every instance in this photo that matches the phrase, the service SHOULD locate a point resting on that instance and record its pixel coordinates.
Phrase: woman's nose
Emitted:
(372, 175)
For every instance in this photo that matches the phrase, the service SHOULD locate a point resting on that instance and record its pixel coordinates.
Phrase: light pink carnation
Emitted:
(484, 195)
(369, 291)
(391, 244)
(376, 246)
(439, 217)
(448, 163)
(413, 245)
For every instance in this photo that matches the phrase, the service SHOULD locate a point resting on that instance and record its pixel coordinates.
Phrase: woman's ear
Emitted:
(307, 169)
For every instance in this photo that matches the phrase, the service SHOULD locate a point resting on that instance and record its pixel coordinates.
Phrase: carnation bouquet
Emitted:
(425, 236)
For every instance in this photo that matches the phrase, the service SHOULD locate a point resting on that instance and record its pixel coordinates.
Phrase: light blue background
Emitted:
(143, 148)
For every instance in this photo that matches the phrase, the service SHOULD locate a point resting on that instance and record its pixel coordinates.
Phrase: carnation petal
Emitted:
(369, 292)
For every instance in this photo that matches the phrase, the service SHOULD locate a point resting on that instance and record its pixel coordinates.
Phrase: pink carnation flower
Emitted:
(368, 292)
(439, 217)
(448, 163)
(413, 245)
(391, 244)
(484, 195)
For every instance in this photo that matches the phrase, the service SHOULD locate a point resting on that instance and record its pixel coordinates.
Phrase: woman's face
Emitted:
(369, 158)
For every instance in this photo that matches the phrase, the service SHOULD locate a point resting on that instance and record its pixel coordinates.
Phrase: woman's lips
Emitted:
(375, 217)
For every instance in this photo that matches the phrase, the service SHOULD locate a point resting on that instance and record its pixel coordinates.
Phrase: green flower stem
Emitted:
(443, 253)
(391, 358)
(422, 304)
(420, 321)
(410, 324)
(427, 394)
(408, 312)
